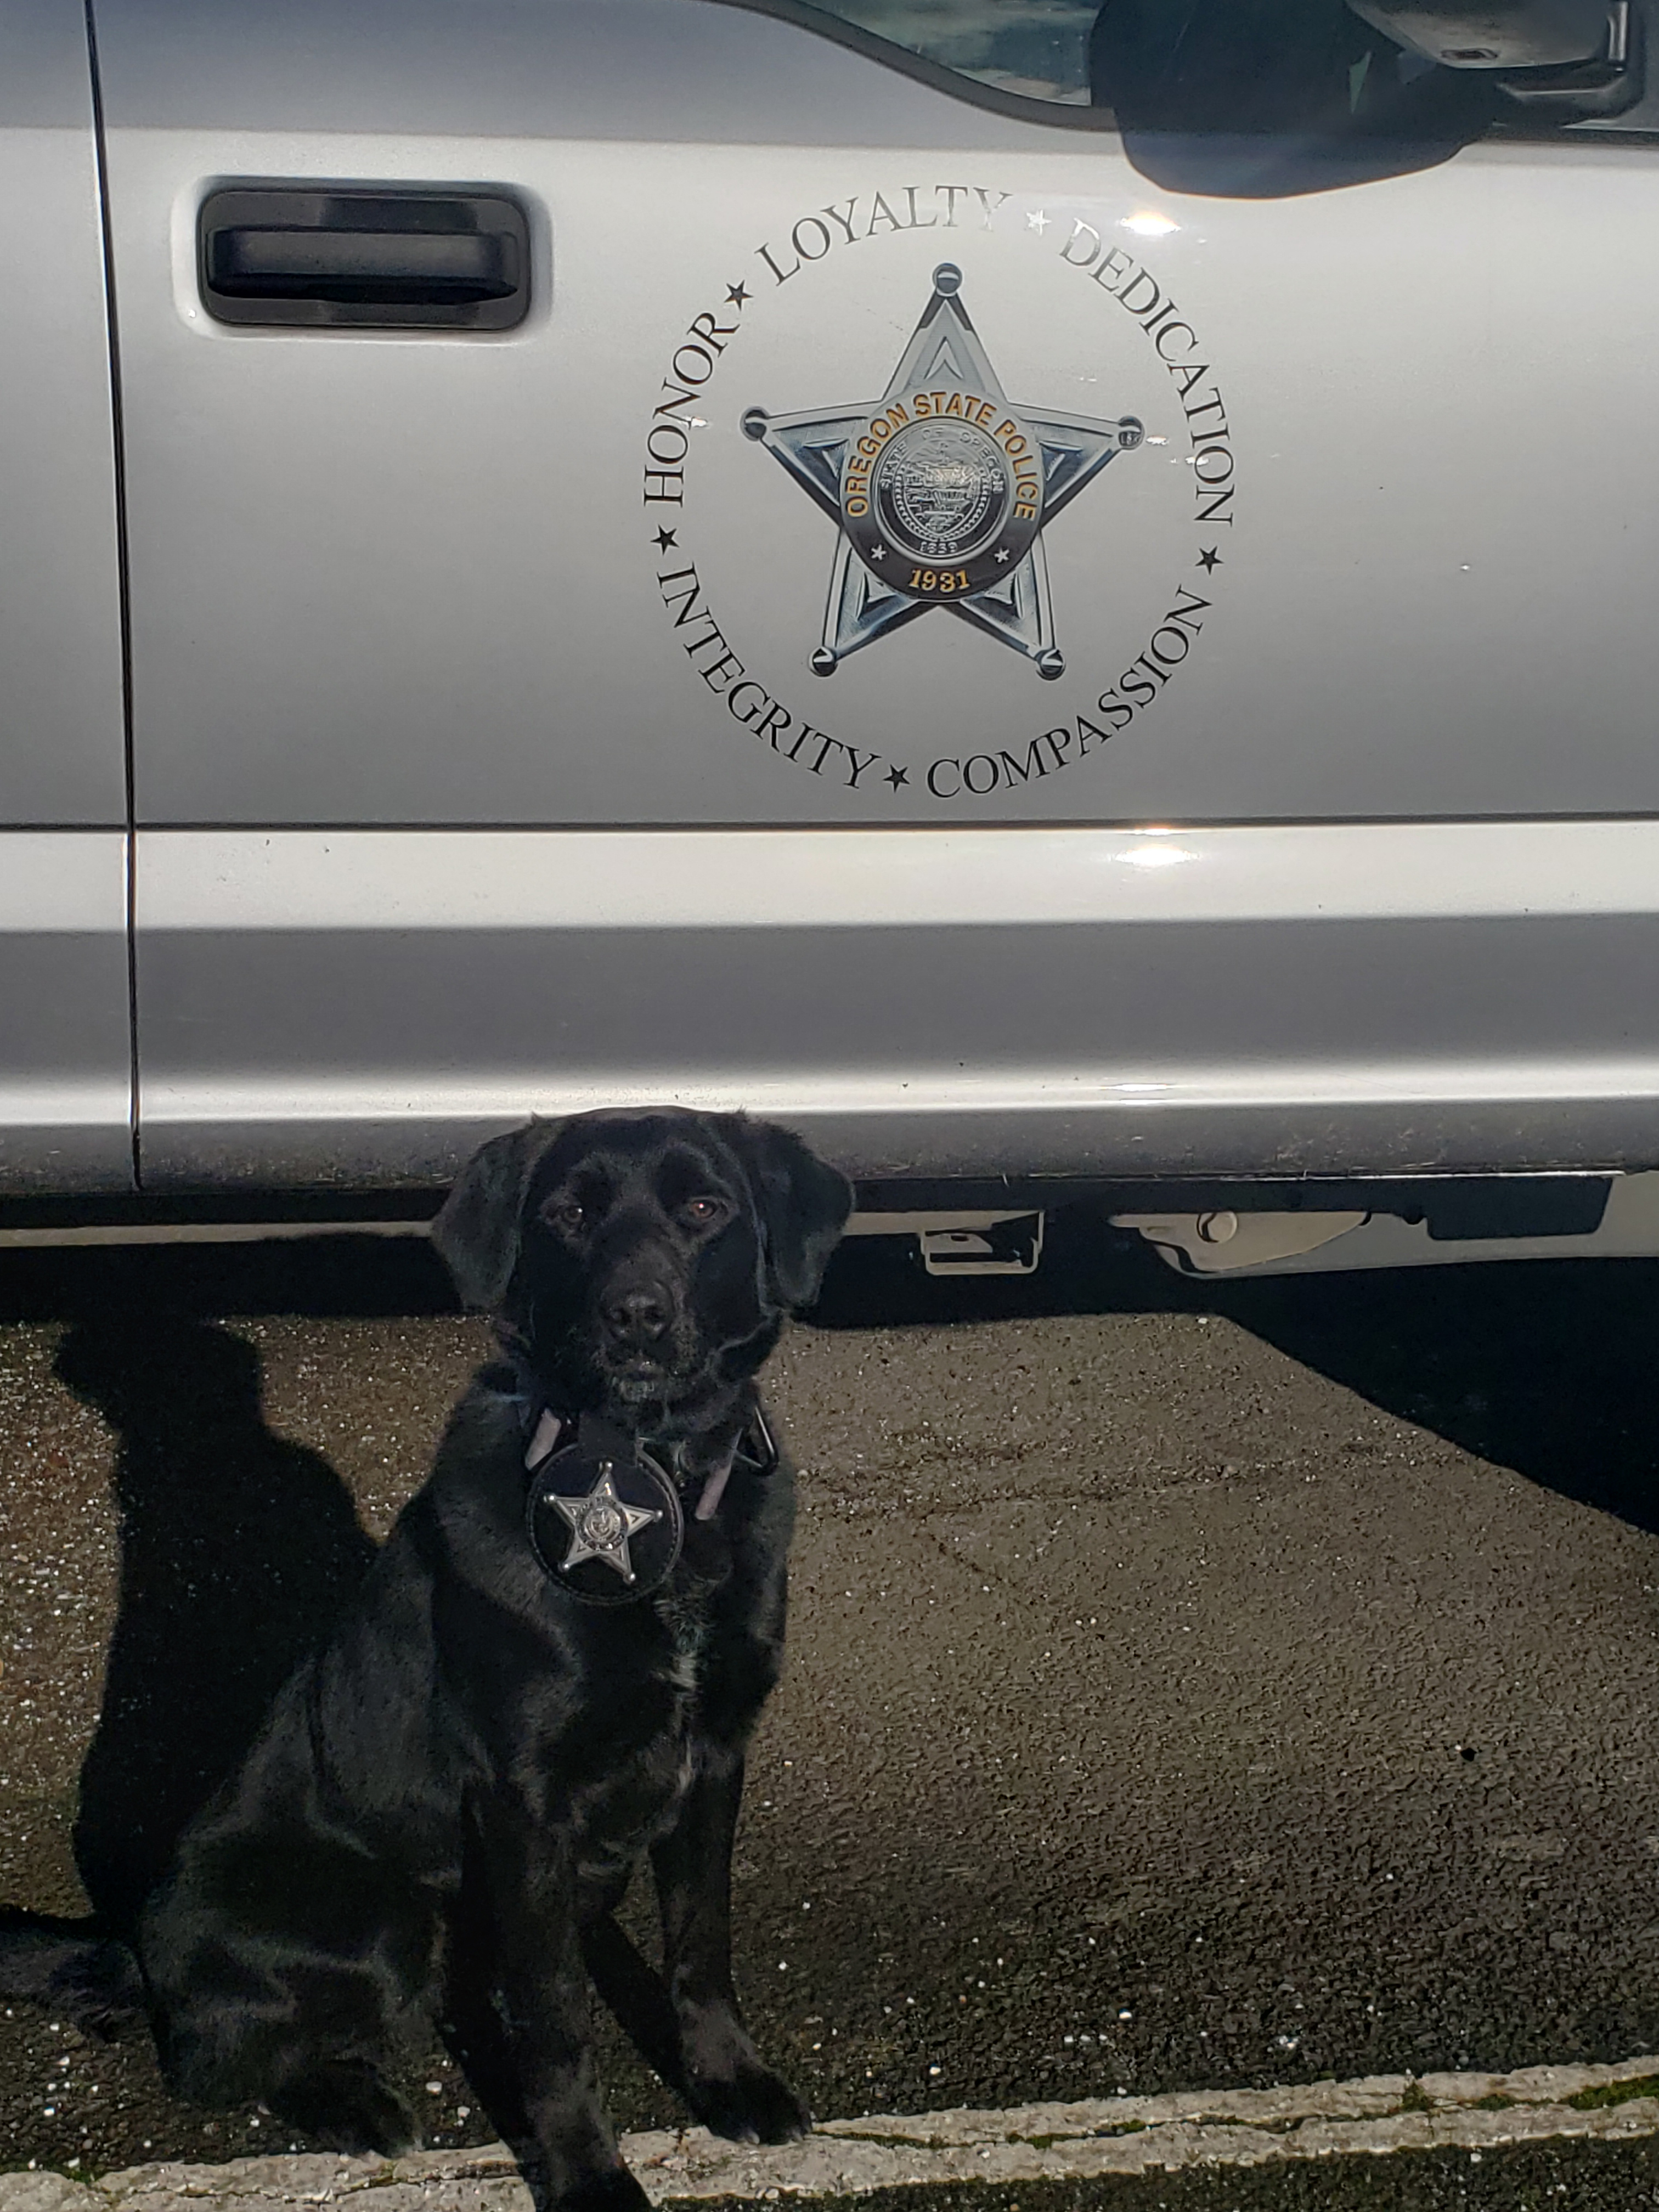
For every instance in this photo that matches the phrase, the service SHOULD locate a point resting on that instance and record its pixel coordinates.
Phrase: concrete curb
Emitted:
(1373, 2117)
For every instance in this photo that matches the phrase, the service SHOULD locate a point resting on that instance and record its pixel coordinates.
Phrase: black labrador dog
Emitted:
(552, 1669)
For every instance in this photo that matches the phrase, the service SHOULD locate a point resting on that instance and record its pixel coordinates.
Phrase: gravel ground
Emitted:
(1189, 1685)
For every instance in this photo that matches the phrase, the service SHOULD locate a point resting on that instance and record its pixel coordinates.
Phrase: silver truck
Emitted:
(1061, 595)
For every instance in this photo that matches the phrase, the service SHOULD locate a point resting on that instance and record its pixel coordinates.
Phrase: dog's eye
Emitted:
(566, 1213)
(700, 1212)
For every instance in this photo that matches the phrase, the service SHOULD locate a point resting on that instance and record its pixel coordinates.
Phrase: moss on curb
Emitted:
(1615, 2092)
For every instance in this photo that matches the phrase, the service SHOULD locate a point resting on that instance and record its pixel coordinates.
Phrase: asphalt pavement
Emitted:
(1190, 1685)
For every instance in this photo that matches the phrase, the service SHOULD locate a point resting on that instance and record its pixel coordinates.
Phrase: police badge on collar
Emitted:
(603, 1516)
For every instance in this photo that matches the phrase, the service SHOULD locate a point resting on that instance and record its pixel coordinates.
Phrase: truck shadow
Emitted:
(113, 1284)
(237, 1550)
(1543, 1367)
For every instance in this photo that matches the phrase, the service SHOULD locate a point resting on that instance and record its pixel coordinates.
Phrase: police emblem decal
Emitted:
(940, 493)
(940, 490)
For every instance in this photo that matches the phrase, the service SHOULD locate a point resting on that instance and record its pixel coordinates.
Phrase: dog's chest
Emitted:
(637, 1780)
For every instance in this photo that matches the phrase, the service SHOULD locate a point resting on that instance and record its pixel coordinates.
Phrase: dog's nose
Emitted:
(638, 1313)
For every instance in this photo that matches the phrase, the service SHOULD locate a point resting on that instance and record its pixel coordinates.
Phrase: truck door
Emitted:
(673, 543)
(65, 1044)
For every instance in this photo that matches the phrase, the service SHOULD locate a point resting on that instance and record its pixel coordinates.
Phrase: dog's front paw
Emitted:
(752, 2105)
(347, 2105)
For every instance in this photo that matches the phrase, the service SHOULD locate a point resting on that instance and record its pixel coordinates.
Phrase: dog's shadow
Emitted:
(238, 1551)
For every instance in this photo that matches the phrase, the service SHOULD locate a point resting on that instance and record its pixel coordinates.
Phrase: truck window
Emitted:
(1264, 98)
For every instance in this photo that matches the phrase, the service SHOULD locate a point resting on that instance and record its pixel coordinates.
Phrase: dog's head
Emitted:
(642, 1259)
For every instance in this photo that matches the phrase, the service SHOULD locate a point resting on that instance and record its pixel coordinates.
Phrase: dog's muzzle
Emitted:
(639, 1333)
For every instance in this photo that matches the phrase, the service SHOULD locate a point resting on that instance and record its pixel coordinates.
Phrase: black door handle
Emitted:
(359, 266)
(364, 258)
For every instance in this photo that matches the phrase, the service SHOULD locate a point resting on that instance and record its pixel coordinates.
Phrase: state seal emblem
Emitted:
(940, 490)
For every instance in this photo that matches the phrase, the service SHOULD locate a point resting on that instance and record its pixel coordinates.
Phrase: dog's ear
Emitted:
(476, 1229)
(803, 1205)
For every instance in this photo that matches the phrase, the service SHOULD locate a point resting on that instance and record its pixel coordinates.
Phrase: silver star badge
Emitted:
(947, 483)
(601, 1524)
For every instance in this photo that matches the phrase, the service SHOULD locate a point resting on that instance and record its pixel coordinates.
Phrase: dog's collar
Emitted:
(548, 1431)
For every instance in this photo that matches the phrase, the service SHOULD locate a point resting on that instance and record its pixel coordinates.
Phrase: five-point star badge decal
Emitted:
(601, 1523)
(940, 491)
